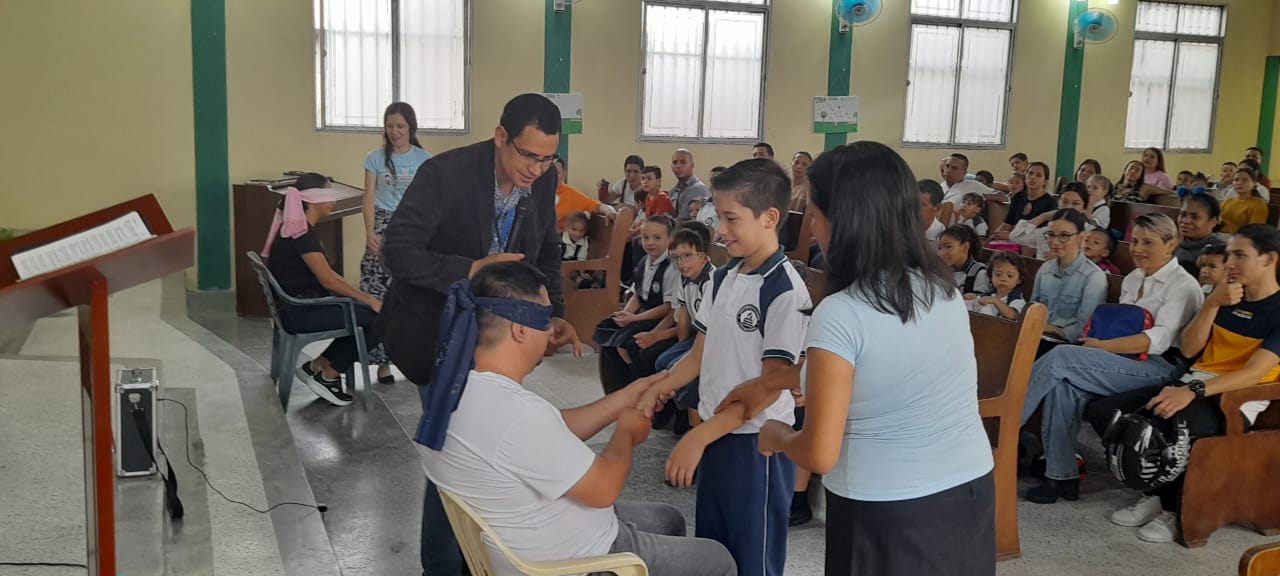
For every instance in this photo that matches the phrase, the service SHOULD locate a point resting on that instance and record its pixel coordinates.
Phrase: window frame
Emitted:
(706, 5)
(1177, 40)
(318, 34)
(962, 23)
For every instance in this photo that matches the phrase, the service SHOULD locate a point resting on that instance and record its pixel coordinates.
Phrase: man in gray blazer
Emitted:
(493, 201)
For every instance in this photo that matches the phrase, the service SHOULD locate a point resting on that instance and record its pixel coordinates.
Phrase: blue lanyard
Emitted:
(504, 231)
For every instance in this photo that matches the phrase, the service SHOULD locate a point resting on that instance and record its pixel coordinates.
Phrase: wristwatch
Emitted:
(1197, 387)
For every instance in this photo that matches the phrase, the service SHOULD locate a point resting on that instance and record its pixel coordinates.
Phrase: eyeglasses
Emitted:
(1063, 237)
(530, 157)
(682, 258)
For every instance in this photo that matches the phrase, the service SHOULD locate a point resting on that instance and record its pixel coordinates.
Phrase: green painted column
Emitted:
(209, 108)
(1267, 116)
(558, 41)
(839, 61)
(1069, 114)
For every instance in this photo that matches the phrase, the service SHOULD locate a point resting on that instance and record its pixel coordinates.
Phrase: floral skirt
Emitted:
(374, 278)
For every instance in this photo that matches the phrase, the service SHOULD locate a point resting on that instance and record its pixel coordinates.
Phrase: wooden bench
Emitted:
(1114, 282)
(1005, 351)
(1273, 213)
(1123, 214)
(1122, 257)
(586, 307)
(1232, 478)
(799, 237)
(1261, 560)
(995, 211)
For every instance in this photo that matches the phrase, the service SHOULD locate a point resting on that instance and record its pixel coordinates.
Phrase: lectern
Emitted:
(86, 286)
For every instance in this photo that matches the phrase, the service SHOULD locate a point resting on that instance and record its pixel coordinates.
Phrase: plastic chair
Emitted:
(286, 347)
(472, 532)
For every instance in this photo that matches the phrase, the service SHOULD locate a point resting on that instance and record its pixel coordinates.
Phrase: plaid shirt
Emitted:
(503, 203)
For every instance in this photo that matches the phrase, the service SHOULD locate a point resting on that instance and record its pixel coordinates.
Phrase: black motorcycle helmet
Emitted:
(1145, 452)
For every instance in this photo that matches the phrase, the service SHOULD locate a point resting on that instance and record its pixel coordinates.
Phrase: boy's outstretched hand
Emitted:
(683, 461)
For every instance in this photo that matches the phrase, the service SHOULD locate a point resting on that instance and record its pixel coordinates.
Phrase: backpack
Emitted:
(1117, 321)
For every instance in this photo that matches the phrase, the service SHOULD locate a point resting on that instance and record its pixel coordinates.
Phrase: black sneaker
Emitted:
(801, 513)
(330, 390)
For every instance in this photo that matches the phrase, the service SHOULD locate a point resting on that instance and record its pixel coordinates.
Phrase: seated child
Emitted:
(656, 201)
(576, 245)
(930, 202)
(970, 213)
(1098, 246)
(688, 249)
(1213, 266)
(1005, 298)
(645, 349)
(707, 209)
(1099, 200)
(655, 283)
(985, 177)
(751, 322)
(957, 246)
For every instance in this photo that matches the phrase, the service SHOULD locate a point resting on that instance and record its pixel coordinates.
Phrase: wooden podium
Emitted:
(86, 286)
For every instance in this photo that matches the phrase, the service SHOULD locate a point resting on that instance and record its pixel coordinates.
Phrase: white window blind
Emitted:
(703, 69)
(370, 53)
(1173, 85)
(958, 72)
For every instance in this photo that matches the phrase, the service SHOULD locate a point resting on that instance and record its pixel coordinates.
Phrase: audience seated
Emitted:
(707, 213)
(1254, 154)
(958, 246)
(689, 249)
(1248, 205)
(1065, 379)
(296, 259)
(1155, 181)
(624, 190)
(1236, 335)
(954, 184)
(656, 201)
(1030, 234)
(1033, 201)
(1098, 247)
(570, 200)
(524, 466)
(1225, 175)
(970, 213)
(1132, 180)
(1069, 285)
(1198, 221)
(1099, 200)
(688, 188)
(930, 205)
(762, 150)
(1213, 266)
(800, 163)
(1005, 298)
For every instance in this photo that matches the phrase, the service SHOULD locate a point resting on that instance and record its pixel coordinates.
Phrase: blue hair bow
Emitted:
(1183, 192)
(456, 353)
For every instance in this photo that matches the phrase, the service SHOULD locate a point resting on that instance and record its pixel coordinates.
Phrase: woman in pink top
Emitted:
(1153, 162)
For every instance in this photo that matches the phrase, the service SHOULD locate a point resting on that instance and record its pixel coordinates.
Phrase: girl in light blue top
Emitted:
(387, 173)
(905, 460)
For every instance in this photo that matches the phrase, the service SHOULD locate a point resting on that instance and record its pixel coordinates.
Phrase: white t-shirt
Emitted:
(707, 215)
(691, 292)
(671, 279)
(749, 318)
(934, 231)
(1172, 296)
(624, 192)
(509, 455)
(1013, 300)
(955, 194)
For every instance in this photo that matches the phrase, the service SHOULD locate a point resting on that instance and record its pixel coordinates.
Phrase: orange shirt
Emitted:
(569, 199)
(659, 203)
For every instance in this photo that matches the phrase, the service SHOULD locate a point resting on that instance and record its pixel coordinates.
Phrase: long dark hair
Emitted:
(410, 118)
(878, 246)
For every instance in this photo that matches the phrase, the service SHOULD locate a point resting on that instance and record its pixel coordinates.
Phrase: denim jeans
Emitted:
(1065, 380)
(656, 533)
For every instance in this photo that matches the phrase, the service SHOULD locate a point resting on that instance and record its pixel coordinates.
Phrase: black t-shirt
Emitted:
(291, 271)
(1020, 208)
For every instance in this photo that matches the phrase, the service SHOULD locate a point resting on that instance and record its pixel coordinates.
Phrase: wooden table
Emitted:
(254, 207)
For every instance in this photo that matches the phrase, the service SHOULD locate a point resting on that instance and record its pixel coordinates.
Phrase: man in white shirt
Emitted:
(930, 199)
(624, 190)
(523, 465)
(955, 184)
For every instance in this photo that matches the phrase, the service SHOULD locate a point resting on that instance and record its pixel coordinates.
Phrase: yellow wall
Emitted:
(95, 109)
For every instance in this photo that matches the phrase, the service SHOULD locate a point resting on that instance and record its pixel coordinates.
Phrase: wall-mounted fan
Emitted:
(856, 12)
(1094, 26)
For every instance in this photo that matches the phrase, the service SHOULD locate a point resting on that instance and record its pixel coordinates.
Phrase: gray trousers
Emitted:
(656, 533)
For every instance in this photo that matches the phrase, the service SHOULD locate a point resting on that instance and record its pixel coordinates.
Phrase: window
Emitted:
(1173, 87)
(703, 69)
(370, 53)
(958, 72)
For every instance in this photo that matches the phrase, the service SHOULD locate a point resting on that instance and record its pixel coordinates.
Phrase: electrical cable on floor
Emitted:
(186, 427)
(45, 564)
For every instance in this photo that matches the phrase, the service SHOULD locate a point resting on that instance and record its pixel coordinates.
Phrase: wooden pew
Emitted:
(1273, 213)
(1122, 257)
(995, 211)
(1230, 479)
(799, 236)
(1123, 213)
(1114, 283)
(586, 307)
(1005, 351)
(1261, 560)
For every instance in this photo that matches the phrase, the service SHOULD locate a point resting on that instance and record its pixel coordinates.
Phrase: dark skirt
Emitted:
(951, 532)
(610, 335)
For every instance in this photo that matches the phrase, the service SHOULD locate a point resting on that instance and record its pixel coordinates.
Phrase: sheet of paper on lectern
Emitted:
(117, 234)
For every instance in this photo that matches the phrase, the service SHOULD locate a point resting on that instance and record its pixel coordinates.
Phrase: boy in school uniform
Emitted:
(751, 322)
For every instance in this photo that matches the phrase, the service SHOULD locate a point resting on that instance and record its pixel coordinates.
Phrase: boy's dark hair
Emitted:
(579, 216)
(1188, 173)
(1111, 240)
(1255, 149)
(803, 153)
(758, 184)
(1199, 176)
(985, 176)
(965, 235)
(651, 169)
(718, 169)
(1002, 257)
(962, 158)
(1250, 163)
(1072, 216)
(1019, 156)
(933, 189)
(530, 110)
(633, 160)
(767, 147)
(1229, 162)
(663, 219)
(512, 280)
(974, 197)
(702, 230)
(1215, 250)
(689, 237)
(1265, 238)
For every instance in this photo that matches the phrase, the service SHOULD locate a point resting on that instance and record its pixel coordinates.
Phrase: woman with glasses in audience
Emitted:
(1067, 378)
(1200, 218)
(1030, 233)
(1069, 285)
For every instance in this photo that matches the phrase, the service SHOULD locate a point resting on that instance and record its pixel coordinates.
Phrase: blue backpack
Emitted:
(1117, 321)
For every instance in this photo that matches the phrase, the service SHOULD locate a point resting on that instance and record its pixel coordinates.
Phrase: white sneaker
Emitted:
(1161, 530)
(1139, 514)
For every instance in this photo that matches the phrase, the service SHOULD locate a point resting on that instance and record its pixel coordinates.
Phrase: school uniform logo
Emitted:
(749, 318)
